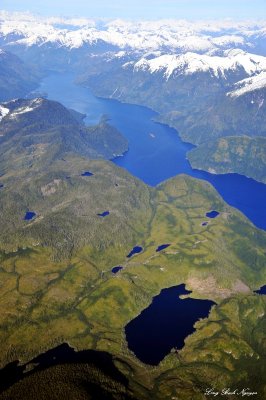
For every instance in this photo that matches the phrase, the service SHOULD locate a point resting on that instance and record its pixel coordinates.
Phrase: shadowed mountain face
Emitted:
(16, 78)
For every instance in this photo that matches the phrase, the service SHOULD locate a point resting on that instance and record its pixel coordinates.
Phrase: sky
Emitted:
(142, 9)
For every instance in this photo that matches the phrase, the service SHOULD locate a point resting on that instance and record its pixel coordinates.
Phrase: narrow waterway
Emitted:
(155, 151)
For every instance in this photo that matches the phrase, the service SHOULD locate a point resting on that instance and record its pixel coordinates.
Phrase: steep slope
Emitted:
(16, 79)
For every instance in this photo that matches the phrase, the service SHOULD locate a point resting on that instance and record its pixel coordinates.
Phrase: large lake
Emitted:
(165, 324)
(155, 151)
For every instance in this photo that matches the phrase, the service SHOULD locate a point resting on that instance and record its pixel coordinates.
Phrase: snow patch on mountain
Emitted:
(249, 85)
(15, 111)
(3, 112)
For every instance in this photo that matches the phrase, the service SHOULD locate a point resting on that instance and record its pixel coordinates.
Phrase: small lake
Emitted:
(262, 290)
(87, 173)
(156, 152)
(212, 214)
(162, 247)
(135, 250)
(115, 270)
(29, 215)
(104, 214)
(165, 324)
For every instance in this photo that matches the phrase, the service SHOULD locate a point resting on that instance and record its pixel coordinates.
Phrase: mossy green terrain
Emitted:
(237, 154)
(57, 285)
(52, 293)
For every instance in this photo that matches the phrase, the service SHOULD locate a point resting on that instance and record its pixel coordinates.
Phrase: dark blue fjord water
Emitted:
(155, 151)
(165, 324)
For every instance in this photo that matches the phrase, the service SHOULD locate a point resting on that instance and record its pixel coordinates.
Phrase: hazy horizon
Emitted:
(149, 9)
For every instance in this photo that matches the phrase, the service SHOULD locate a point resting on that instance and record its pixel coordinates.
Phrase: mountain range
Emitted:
(69, 216)
(165, 35)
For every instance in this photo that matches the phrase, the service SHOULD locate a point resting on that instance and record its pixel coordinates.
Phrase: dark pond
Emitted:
(104, 214)
(162, 247)
(29, 215)
(135, 250)
(1, 185)
(62, 354)
(165, 324)
(117, 269)
(86, 173)
(262, 290)
(160, 156)
(204, 224)
(212, 214)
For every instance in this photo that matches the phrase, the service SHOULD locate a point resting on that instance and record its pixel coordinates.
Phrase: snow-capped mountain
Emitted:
(167, 35)
(190, 63)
